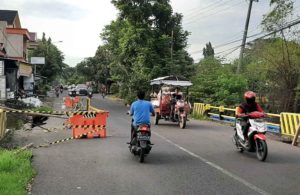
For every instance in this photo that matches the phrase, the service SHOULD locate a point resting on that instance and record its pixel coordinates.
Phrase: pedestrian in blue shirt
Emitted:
(140, 110)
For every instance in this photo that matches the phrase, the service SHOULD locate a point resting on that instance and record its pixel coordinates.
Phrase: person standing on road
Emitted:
(140, 110)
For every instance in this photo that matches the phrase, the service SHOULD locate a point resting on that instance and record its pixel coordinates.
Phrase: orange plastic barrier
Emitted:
(92, 122)
(68, 102)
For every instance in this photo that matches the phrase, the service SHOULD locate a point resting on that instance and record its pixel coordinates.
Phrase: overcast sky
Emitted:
(78, 23)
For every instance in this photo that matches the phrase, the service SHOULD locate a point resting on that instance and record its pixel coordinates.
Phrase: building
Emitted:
(15, 42)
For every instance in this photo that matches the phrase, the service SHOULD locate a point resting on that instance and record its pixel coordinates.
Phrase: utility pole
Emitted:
(245, 36)
(172, 35)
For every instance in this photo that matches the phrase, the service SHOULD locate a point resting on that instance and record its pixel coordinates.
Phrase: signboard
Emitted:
(25, 70)
(37, 60)
(1, 68)
(2, 87)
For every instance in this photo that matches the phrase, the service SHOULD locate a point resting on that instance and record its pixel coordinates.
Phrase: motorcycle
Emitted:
(256, 135)
(90, 94)
(61, 90)
(57, 93)
(141, 145)
(180, 113)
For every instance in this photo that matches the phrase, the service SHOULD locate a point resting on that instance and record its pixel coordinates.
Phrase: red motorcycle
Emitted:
(257, 129)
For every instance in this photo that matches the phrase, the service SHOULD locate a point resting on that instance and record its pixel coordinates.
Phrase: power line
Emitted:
(214, 13)
(216, 5)
(251, 36)
(297, 21)
(196, 10)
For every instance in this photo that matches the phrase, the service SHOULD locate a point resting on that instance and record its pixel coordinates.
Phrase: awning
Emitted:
(25, 69)
(171, 80)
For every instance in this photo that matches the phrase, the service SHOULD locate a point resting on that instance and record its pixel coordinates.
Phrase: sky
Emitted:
(75, 25)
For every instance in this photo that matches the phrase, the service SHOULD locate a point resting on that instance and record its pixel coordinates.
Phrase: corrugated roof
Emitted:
(8, 16)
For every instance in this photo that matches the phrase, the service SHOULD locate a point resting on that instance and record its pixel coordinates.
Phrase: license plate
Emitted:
(143, 137)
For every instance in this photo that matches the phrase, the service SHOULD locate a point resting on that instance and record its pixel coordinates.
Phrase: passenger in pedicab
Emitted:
(164, 96)
(176, 95)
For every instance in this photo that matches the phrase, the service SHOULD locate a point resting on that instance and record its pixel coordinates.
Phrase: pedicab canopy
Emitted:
(172, 80)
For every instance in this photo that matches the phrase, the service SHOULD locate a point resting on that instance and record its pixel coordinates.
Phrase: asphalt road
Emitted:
(200, 159)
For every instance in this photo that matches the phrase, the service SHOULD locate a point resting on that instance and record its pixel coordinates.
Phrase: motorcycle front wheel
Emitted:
(261, 150)
(235, 142)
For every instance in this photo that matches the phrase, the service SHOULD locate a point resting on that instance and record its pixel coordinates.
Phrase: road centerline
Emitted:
(215, 166)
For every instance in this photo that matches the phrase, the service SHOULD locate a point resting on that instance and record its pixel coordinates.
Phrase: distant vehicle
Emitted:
(72, 90)
(79, 90)
(167, 104)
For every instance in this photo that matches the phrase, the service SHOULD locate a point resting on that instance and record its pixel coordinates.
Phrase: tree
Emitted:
(279, 15)
(53, 59)
(275, 74)
(285, 62)
(217, 83)
(208, 51)
(140, 41)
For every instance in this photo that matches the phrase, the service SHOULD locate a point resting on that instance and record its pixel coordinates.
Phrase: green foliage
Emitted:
(216, 83)
(208, 51)
(278, 16)
(53, 59)
(16, 171)
(19, 124)
(274, 71)
(140, 41)
(17, 104)
(43, 109)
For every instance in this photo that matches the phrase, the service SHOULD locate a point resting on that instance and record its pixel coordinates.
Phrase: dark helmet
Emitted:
(250, 96)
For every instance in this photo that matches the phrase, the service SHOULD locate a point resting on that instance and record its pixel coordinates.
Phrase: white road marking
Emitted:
(224, 171)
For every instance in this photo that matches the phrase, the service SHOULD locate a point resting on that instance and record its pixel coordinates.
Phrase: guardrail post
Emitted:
(88, 104)
(296, 136)
(207, 109)
(2, 123)
(221, 112)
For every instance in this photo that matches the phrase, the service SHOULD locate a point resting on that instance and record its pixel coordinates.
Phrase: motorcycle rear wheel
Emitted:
(142, 155)
(156, 118)
(261, 150)
(182, 122)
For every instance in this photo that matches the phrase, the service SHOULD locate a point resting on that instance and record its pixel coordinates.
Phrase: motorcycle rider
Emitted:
(245, 108)
(140, 110)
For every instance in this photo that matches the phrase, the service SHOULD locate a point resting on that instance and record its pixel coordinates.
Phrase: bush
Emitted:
(114, 89)
(16, 104)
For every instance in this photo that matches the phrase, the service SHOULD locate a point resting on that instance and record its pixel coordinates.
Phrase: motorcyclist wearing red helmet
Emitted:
(245, 108)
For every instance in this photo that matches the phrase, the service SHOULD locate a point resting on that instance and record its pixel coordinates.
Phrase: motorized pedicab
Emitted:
(170, 103)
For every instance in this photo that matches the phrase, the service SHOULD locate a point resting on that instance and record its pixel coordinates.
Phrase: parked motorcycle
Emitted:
(256, 135)
(141, 144)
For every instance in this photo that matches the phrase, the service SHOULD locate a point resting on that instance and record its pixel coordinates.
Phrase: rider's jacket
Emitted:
(245, 108)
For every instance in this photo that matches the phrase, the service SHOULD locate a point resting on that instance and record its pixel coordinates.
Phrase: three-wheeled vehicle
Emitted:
(170, 103)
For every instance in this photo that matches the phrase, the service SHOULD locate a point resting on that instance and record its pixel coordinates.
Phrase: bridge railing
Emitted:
(284, 123)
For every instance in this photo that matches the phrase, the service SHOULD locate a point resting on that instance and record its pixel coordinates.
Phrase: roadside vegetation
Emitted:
(15, 171)
(147, 40)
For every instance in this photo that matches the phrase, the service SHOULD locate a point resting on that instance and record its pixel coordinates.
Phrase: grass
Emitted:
(200, 117)
(15, 171)
(43, 109)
